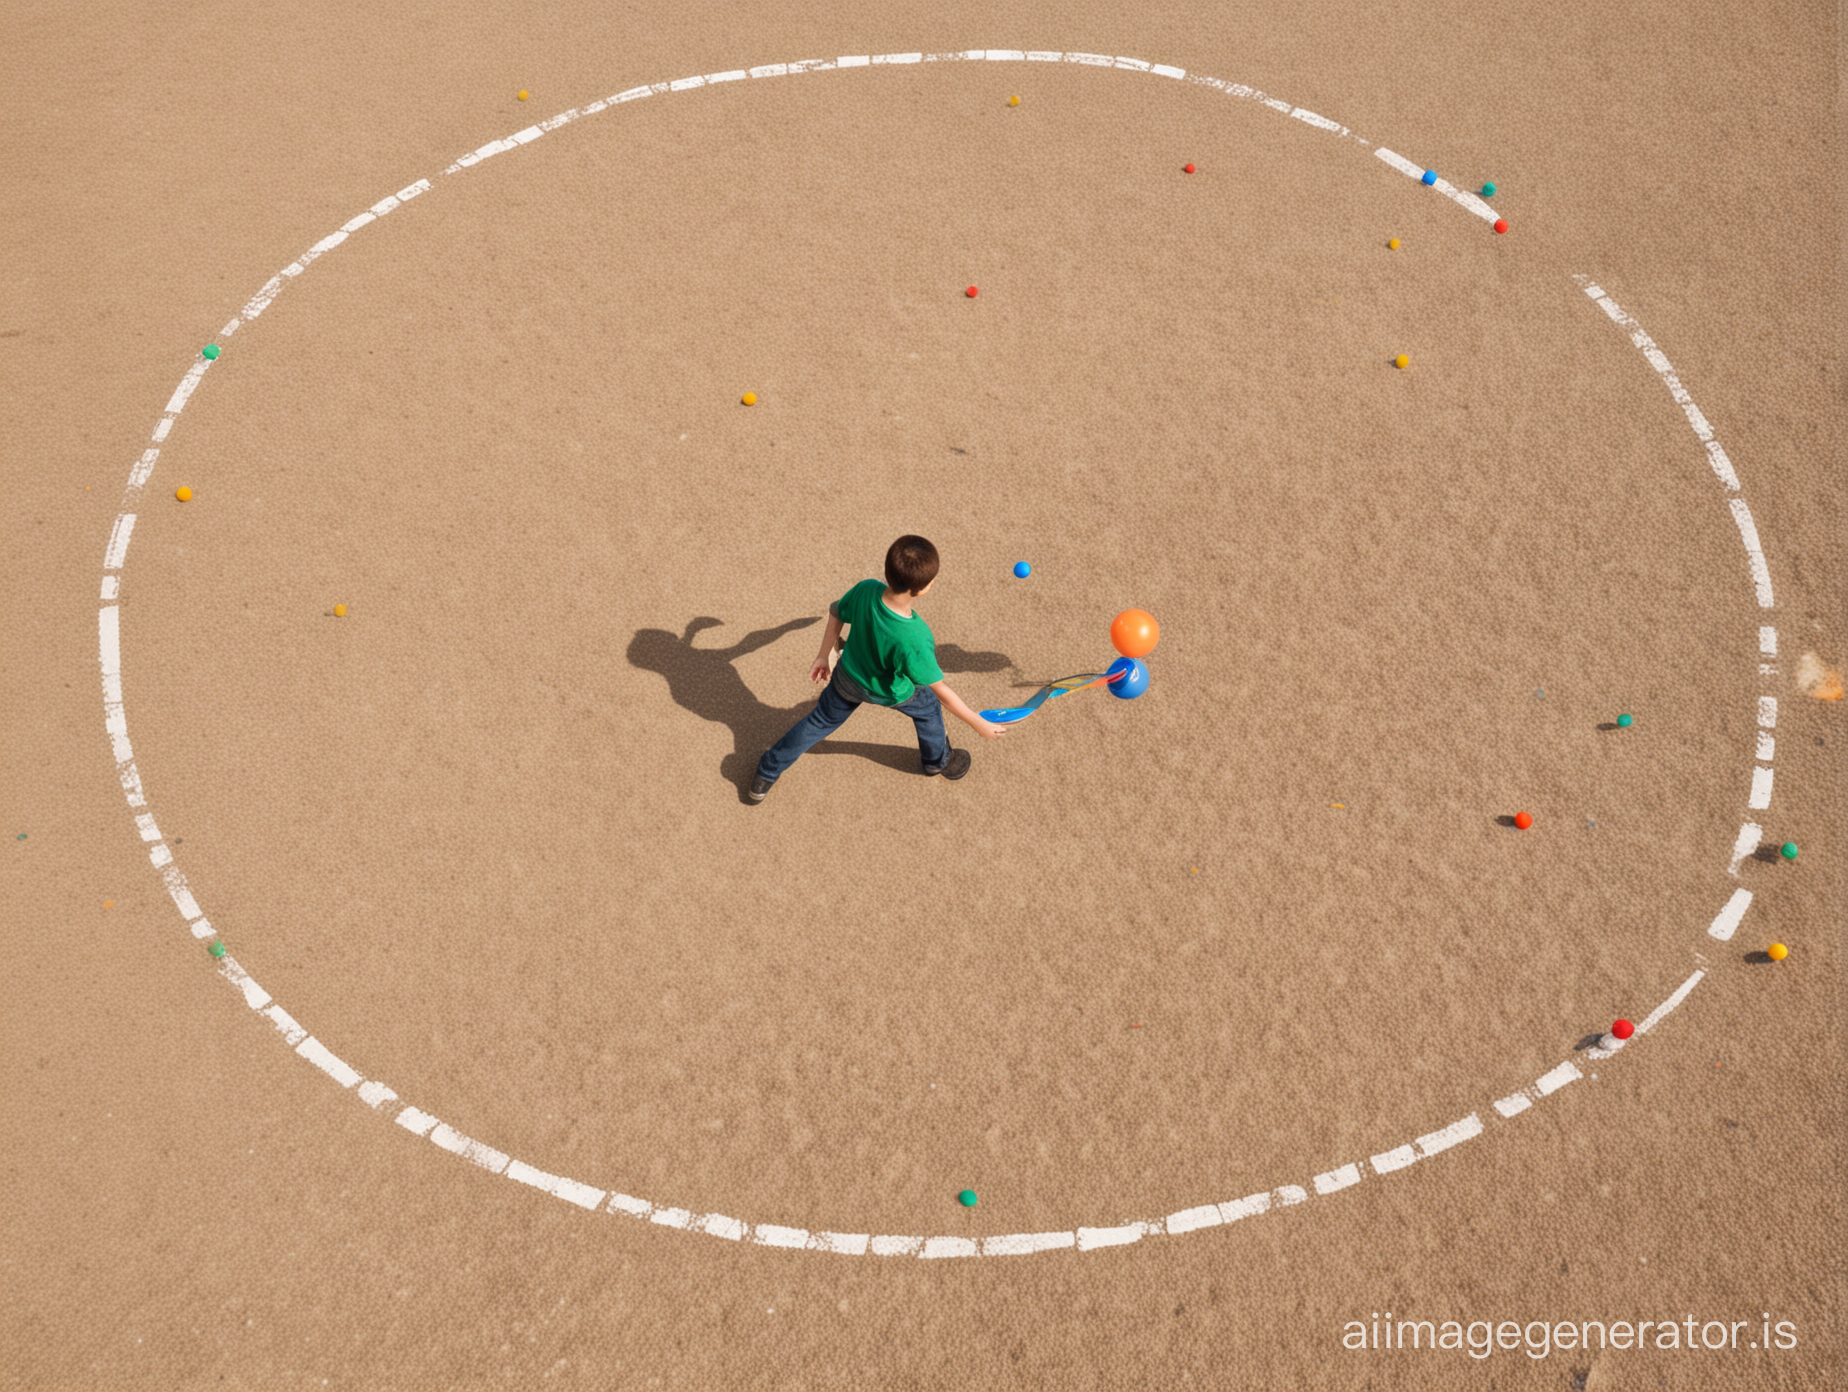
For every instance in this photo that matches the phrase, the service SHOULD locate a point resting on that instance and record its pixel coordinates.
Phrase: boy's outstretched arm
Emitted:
(953, 703)
(831, 643)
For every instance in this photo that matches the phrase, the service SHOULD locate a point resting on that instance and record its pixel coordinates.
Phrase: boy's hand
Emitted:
(957, 707)
(831, 643)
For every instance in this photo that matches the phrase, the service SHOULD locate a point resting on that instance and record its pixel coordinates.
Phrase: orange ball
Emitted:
(1523, 820)
(1134, 633)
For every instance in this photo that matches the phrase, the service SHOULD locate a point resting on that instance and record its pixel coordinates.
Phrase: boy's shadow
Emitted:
(705, 681)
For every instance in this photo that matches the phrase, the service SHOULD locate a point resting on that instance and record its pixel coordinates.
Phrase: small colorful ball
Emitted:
(1401, 361)
(183, 494)
(1392, 244)
(1625, 721)
(1488, 190)
(1788, 850)
(749, 398)
(1133, 682)
(340, 611)
(209, 352)
(1777, 952)
(972, 292)
(1013, 101)
(1134, 633)
(1501, 224)
(1187, 169)
(967, 1198)
(1523, 820)
(217, 949)
(522, 95)
(1623, 1029)
(1022, 570)
(1430, 178)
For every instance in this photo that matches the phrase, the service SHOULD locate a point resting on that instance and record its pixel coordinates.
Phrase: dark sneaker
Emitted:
(955, 768)
(759, 789)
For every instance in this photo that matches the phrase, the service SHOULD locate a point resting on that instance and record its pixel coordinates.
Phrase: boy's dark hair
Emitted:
(911, 564)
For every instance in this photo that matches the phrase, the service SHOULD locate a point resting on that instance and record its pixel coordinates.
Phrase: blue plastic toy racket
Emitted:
(1007, 715)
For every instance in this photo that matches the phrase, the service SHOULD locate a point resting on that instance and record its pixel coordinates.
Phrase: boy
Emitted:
(889, 658)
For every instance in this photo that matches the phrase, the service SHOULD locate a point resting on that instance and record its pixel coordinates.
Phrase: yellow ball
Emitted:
(524, 95)
(1777, 952)
(1401, 361)
(1013, 101)
(750, 398)
(340, 611)
(183, 494)
(1393, 244)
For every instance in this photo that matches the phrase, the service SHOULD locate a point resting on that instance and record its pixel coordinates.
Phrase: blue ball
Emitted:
(1022, 569)
(1132, 685)
(1430, 177)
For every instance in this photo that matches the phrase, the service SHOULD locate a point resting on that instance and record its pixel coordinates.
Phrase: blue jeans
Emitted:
(839, 699)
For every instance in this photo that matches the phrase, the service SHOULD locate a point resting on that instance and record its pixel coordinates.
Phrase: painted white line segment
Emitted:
(376, 1095)
(1023, 1244)
(1395, 1159)
(119, 534)
(718, 1225)
(1454, 1134)
(583, 1195)
(1089, 1239)
(773, 1235)
(1549, 1083)
(1251, 1206)
(1727, 921)
(323, 1058)
(1188, 1219)
(1761, 789)
(1722, 466)
(1749, 836)
(475, 1152)
(285, 1024)
(1755, 554)
(1767, 746)
(1336, 1180)
(254, 995)
(1767, 712)
(1656, 1016)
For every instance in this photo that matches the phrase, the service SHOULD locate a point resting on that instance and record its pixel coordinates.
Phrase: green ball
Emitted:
(217, 949)
(1625, 721)
(1488, 190)
(967, 1198)
(1788, 850)
(211, 350)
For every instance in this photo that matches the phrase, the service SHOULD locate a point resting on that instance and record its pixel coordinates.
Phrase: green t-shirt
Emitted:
(888, 654)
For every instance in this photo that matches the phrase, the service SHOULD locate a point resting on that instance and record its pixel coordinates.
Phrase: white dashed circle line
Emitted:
(377, 1095)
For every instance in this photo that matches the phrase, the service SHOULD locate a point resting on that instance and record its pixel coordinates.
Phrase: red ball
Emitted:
(1501, 224)
(1623, 1029)
(1523, 820)
(970, 292)
(1187, 169)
